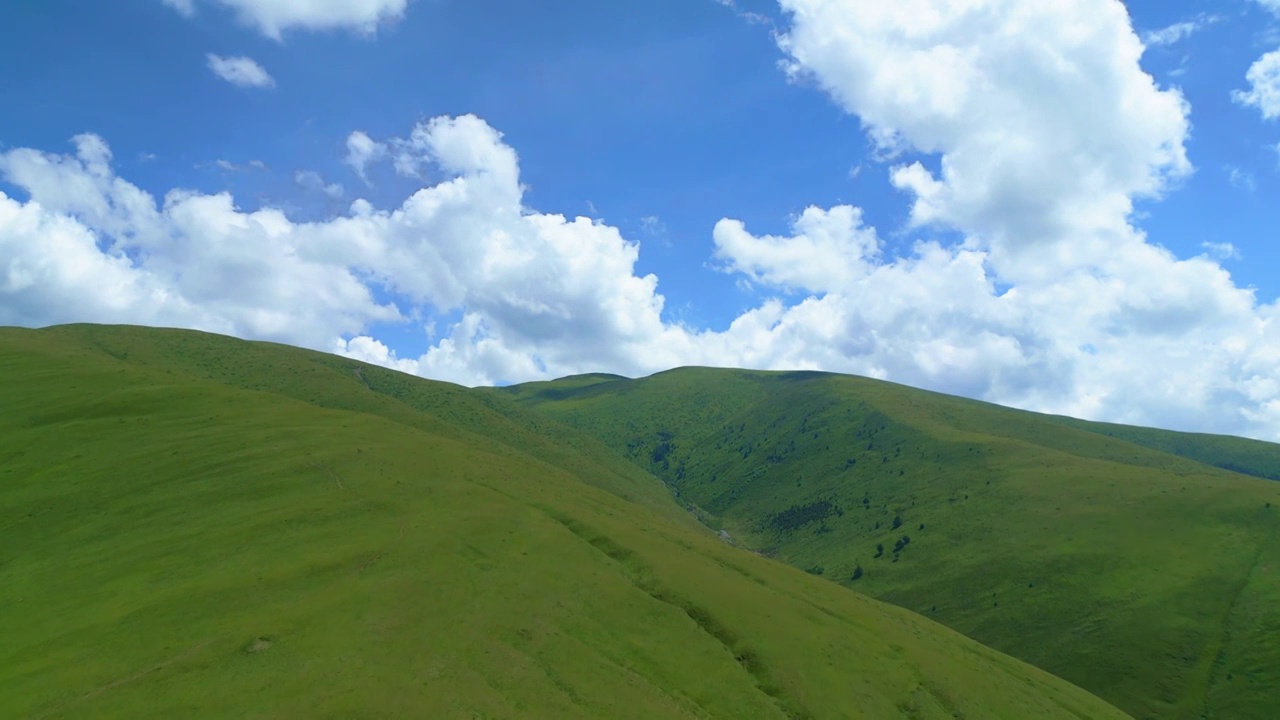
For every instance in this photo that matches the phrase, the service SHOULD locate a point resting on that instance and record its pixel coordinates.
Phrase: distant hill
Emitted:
(195, 526)
(1239, 455)
(1129, 561)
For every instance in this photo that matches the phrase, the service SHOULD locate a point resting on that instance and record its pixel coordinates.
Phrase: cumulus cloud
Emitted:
(830, 251)
(539, 293)
(88, 245)
(1006, 95)
(1264, 86)
(367, 349)
(273, 17)
(362, 150)
(240, 71)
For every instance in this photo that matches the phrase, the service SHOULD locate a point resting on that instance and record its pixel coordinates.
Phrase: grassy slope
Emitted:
(332, 382)
(190, 525)
(1240, 455)
(1150, 579)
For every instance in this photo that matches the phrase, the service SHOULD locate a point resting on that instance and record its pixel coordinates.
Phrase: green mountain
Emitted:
(195, 526)
(1126, 560)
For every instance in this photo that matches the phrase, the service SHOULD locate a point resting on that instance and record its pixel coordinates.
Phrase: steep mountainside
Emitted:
(1096, 552)
(193, 526)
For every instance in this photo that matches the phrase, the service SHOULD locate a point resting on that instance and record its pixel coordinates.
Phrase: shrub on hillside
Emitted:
(798, 516)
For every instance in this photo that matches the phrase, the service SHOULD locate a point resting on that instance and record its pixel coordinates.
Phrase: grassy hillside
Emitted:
(1146, 577)
(1240, 455)
(195, 526)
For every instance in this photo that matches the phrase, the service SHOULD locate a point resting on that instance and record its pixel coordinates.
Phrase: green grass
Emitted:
(196, 526)
(1118, 558)
(1240, 455)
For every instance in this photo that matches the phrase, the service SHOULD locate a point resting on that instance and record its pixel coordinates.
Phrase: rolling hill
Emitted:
(1129, 561)
(192, 525)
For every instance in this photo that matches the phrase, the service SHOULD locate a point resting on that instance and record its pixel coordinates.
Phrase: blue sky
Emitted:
(661, 121)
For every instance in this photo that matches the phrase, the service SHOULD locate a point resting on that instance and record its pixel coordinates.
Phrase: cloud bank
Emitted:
(1028, 130)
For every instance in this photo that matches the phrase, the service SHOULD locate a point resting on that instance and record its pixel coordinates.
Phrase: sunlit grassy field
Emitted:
(194, 526)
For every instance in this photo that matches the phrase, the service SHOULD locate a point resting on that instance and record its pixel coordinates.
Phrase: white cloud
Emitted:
(1010, 95)
(831, 251)
(1264, 86)
(361, 152)
(91, 246)
(367, 349)
(48, 258)
(652, 226)
(439, 142)
(1171, 34)
(1272, 5)
(1083, 343)
(313, 181)
(538, 293)
(273, 17)
(228, 166)
(1221, 250)
(240, 71)
(1177, 32)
